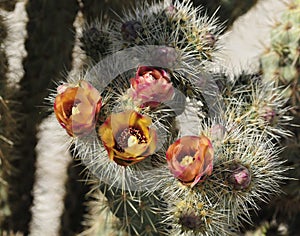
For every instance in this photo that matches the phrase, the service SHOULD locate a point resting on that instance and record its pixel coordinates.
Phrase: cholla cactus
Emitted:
(8, 5)
(280, 65)
(7, 128)
(281, 60)
(256, 105)
(179, 26)
(130, 117)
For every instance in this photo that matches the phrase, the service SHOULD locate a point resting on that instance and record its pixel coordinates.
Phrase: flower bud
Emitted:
(218, 132)
(130, 30)
(210, 39)
(269, 114)
(190, 221)
(170, 10)
(164, 56)
(240, 177)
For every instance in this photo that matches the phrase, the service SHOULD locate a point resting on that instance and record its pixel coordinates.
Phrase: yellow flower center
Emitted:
(187, 160)
(129, 137)
(132, 140)
(75, 110)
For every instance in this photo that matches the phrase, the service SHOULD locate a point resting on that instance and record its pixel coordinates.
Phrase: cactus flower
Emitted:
(151, 86)
(190, 159)
(127, 137)
(76, 107)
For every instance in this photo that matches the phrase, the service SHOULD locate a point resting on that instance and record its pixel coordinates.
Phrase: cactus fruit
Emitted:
(95, 40)
(99, 212)
(257, 105)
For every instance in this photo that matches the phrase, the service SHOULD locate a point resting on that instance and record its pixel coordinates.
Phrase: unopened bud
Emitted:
(210, 39)
(269, 114)
(170, 10)
(190, 221)
(240, 177)
(130, 30)
(165, 57)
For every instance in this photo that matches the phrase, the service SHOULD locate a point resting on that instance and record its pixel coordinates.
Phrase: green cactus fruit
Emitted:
(123, 212)
(99, 220)
(95, 40)
(257, 106)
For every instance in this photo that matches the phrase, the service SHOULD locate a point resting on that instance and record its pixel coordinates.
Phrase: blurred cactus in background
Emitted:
(8, 5)
(280, 65)
(9, 123)
(280, 62)
(49, 47)
(5, 129)
(164, 140)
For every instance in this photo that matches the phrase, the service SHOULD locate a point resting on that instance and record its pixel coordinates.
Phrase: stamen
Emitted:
(129, 137)
(187, 160)
(132, 140)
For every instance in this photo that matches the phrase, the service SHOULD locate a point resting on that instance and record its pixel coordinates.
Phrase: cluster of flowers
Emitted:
(127, 136)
